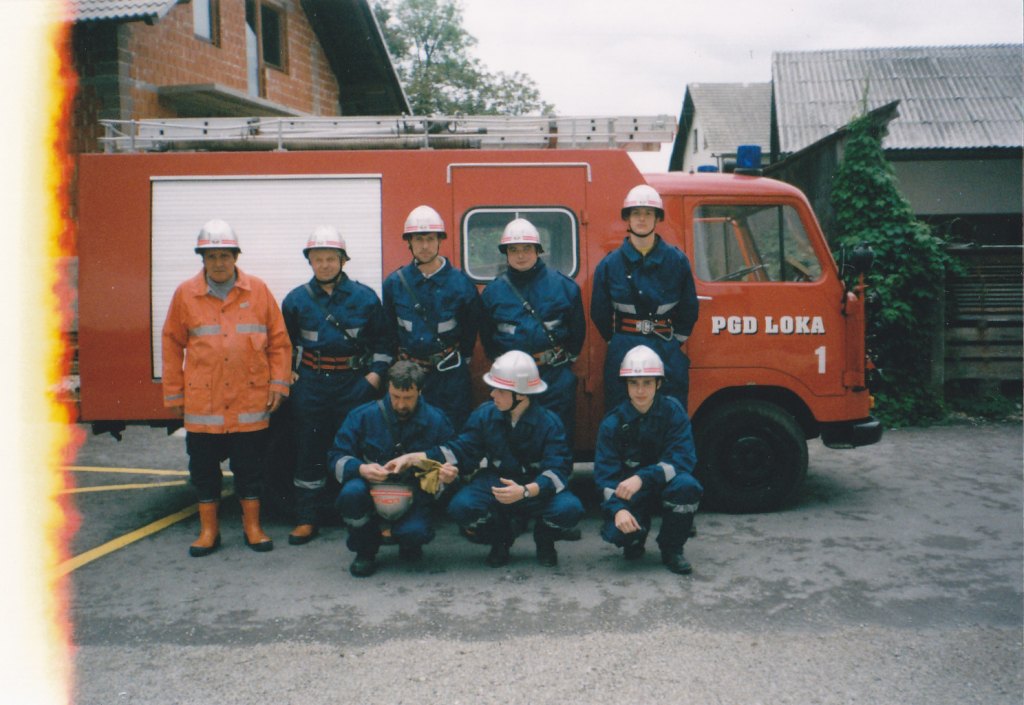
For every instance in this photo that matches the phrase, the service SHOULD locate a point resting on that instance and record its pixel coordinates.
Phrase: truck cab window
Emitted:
(482, 228)
(762, 243)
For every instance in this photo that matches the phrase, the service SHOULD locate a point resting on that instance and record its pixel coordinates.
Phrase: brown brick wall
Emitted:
(121, 65)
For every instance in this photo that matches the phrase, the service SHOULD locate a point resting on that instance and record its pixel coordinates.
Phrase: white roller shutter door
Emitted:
(272, 217)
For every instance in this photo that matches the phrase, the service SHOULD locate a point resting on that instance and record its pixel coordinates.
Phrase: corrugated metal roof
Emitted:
(951, 97)
(733, 113)
(85, 10)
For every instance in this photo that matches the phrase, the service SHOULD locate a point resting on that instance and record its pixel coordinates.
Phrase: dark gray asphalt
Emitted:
(896, 577)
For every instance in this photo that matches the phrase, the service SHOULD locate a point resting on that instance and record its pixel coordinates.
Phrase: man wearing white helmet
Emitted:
(528, 466)
(225, 371)
(343, 349)
(644, 294)
(369, 439)
(434, 310)
(538, 311)
(644, 462)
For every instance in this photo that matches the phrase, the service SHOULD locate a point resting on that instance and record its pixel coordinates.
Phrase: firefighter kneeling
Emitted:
(645, 456)
(373, 485)
(527, 470)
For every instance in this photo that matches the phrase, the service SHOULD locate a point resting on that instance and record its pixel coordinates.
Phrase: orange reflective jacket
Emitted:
(237, 353)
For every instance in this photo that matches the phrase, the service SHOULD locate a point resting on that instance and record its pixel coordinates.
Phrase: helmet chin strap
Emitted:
(333, 281)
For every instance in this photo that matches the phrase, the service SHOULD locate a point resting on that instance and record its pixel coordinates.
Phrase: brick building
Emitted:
(219, 58)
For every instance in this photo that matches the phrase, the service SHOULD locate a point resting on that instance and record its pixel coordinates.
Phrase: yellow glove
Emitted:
(428, 472)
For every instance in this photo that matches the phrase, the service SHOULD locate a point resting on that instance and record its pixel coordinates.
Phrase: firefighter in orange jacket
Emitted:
(235, 374)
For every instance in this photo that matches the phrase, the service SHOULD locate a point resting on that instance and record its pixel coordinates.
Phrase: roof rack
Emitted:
(382, 132)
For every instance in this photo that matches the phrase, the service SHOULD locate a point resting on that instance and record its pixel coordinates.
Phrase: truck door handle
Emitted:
(705, 298)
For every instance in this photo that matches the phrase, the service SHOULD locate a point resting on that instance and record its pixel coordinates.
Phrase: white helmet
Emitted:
(325, 237)
(517, 372)
(423, 219)
(520, 232)
(216, 234)
(641, 361)
(391, 500)
(643, 196)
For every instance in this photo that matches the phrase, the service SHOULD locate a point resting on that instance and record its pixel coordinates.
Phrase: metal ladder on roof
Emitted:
(383, 132)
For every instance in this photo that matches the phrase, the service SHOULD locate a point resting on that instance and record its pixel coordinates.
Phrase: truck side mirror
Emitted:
(861, 259)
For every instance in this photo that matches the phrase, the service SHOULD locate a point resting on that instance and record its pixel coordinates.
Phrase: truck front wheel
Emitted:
(751, 456)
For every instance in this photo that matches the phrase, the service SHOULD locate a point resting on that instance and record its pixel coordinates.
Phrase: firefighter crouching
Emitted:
(342, 350)
(435, 311)
(644, 458)
(371, 486)
(234, 375)
(538, 311)
(528, 466)
(644, 295)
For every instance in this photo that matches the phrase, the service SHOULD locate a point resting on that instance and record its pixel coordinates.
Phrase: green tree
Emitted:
(905, 283)
(431, 50)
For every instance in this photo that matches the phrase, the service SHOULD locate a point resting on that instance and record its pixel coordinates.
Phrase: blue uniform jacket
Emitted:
(664, 284)
(656, 446)
(356, 308)
(534, 450)
(366, 437)
(556, 299)
(452, 308)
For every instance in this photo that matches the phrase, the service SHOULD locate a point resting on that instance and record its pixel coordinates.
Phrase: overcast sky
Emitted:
(608, 57)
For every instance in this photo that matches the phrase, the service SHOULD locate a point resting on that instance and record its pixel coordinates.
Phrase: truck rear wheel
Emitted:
(751, 456)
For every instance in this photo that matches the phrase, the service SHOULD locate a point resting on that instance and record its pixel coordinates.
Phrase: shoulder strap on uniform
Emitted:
(530, 309)
(329, 316)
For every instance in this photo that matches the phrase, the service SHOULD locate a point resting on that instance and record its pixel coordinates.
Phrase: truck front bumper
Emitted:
(851, 434)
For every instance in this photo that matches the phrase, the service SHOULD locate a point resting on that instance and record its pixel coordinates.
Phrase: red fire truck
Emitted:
(777, 355)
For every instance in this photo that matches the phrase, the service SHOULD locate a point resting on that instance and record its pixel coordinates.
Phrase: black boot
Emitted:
(498, 555)
(363, 566)
(544, 537)
(675, 530)
(676, 561)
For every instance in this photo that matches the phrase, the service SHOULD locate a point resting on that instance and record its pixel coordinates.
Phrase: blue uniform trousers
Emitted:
(451, 392)
(207, 450)
(678, 500)
(319, 402)
(486, 520)
(354, 503)
(560, 396)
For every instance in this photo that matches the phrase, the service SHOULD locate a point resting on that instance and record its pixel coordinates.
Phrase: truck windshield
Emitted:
(744, 243)
(482, 228)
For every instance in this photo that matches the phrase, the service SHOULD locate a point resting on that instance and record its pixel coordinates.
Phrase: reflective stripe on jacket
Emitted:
(534, 450)
(357, 310)
(662, 288)
(237, 352)
(655, 446)
(452, 306)
(556, 299)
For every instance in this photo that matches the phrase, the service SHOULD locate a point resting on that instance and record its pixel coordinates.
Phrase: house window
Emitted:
(482, 228)
(266, 23)
(768, 243)
(206, 20)
(695, 140)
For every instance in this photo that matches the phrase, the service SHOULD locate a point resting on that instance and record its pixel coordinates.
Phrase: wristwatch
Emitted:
(526, 492)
